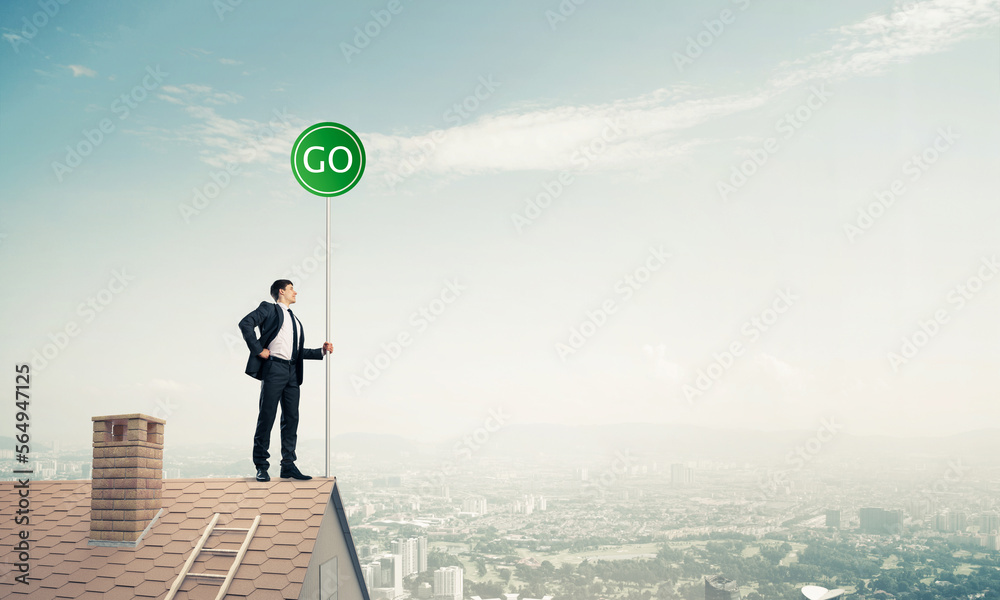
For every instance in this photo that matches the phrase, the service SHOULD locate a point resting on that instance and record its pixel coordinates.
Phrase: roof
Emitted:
(64, 565)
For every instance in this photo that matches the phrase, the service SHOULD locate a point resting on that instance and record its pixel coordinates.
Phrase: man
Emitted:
(276, 360)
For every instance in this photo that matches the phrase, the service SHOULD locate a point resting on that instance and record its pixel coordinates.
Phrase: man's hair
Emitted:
(279, 285)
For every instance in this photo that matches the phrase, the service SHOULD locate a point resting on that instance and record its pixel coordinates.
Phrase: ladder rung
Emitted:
(227, 579)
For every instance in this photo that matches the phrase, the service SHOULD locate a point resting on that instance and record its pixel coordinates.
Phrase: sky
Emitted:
(732, 214)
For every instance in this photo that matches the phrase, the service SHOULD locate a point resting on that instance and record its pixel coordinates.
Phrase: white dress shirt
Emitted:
(281, 345)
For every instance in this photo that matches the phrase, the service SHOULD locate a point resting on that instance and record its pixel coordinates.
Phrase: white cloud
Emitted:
(223, 140)
(551, 138)
(229, 61)
(80, 70)
(191, 94)
(632, 133)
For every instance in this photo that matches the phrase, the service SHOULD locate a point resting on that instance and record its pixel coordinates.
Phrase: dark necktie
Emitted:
(295, 336)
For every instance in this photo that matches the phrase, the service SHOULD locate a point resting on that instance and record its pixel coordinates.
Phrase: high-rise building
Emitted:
(941, 522)
(989, 522)
(990, 541)
(448, 583)
(384, 577)
(880, 520)
(392, 574)
(407, 551)
(718, 587)
(833, 518)
(474, 504)
(681, 474)
(957, 521)
(372, 573)
(421, 554)
(918, 508)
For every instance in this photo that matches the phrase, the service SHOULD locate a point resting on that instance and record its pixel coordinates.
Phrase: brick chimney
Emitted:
(127, 479)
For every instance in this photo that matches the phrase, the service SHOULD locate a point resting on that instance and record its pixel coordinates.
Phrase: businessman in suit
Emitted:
(276, 360)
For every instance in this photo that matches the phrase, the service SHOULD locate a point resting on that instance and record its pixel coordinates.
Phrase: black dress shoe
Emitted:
(293, 472)
(262, 475)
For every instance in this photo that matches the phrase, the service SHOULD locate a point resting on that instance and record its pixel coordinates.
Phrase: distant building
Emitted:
(833, 518)
(681, 474)
(475, 504)
(448, 583)
(918, 508)
(412, 553)
(950, 522)
(989, 522)
(384, 577)
(941, 522)
(527, 505)
(421, 554)
(718, 587)
(407, 552)
(880, 520)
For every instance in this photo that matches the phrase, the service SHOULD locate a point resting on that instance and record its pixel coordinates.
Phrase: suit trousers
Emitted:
(279, 386)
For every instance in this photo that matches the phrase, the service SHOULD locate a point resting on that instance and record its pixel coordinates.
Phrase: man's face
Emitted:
(288, 293)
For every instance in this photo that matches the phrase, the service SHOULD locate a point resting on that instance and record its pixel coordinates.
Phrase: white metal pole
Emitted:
(329, 360)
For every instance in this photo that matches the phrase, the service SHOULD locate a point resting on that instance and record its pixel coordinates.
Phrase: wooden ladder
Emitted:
(227, 579)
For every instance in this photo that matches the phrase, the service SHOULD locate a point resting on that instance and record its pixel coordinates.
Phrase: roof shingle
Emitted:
(65, 566)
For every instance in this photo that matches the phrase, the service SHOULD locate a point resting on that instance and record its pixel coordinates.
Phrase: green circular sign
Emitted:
(328, 159)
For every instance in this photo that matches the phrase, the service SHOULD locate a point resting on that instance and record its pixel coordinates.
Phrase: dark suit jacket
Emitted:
(269, 317)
